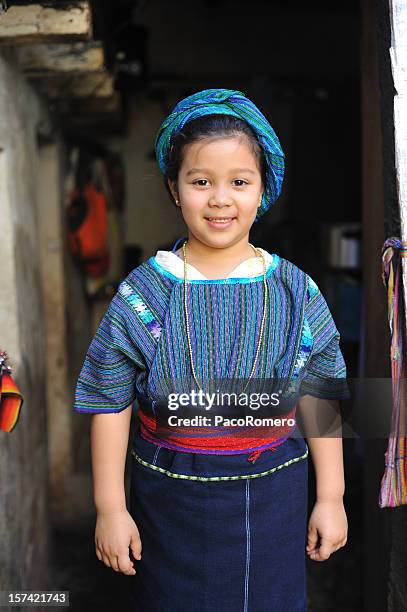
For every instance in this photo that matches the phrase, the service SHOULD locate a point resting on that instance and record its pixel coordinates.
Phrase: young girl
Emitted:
(218, 514)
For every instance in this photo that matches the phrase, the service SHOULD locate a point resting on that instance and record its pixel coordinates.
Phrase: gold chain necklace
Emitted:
(184, 250)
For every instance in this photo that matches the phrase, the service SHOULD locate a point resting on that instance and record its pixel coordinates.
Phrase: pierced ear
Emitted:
(173, 190)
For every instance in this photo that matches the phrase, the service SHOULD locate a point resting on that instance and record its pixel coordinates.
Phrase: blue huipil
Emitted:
(218, 532)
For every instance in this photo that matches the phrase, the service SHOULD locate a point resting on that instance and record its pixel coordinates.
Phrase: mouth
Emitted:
(220, 220)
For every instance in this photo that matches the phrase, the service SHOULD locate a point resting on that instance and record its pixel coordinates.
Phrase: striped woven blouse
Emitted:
(140, 349)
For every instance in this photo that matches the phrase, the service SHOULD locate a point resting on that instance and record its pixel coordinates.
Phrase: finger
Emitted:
(322, 553)
(315, 556)
(98, 554)
(341, 544)
(114, 563)
(312, 538)
(310, 548)
(136, 547)
(136, 554)
(106, 560)
(125, 565)
(98, 550)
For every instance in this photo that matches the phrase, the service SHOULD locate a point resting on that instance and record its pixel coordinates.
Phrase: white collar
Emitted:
(253, 266)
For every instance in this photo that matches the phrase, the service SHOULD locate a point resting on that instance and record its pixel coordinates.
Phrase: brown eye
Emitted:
(200, 181)
(240, 181)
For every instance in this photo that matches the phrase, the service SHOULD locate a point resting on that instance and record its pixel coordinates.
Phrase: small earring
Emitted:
(176, 201)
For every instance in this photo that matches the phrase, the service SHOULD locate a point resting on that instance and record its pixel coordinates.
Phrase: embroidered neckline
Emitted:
(230, 280)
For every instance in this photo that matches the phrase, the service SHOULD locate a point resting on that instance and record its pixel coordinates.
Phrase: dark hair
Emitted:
(210, 126)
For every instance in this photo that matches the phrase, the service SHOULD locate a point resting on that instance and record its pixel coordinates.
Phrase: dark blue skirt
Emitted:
(220, 534)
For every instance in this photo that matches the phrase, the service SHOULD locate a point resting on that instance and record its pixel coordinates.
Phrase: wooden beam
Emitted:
(34, 23)
(90, 106)
(76, 58)
(86, 108)
(98, 85)
(102, 125)
(92, 115)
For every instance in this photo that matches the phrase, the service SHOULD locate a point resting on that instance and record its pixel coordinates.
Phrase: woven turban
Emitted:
(227, 102)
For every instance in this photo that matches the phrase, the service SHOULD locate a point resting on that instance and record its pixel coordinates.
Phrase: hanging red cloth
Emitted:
(11, 399)
(88, 229)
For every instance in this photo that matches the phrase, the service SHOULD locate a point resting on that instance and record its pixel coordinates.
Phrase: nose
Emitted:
(220, 198)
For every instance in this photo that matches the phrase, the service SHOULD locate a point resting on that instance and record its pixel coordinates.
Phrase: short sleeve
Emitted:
(325, 372)
(107, 379)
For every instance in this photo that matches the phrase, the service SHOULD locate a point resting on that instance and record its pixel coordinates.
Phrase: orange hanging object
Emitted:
(11, 399)
(88, 229)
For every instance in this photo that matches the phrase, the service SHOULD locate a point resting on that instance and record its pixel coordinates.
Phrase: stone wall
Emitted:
(24, 518)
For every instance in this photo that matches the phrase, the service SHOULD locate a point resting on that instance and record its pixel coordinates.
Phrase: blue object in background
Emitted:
(344, 297)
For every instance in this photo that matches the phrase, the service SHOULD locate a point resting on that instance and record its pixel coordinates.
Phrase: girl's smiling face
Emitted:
(219, 178)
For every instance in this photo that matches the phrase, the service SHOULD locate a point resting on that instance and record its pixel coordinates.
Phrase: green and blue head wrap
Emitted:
(227, 102)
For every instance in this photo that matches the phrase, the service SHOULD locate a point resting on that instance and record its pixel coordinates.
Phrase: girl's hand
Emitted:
(115, 532)
(328, 521)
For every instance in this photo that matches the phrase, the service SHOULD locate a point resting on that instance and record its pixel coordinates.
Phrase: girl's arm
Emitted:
(322, 426)
(115, 531)
(109, 442)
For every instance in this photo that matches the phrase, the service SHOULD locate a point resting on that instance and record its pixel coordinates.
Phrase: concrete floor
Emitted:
(92, 586)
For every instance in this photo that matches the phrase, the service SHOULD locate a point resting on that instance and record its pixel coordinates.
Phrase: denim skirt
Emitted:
(219, 533)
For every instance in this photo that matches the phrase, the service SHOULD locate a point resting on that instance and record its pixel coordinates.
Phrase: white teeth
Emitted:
(223, 220)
